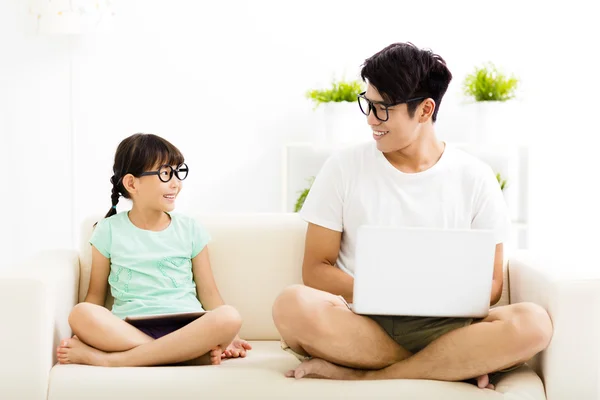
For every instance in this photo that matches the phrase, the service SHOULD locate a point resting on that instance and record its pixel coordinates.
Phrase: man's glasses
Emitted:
(166, 172)
(380, 110)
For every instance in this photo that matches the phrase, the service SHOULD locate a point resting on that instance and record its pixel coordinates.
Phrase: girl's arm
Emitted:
(209, 296)
(206, 287)
(98, 279)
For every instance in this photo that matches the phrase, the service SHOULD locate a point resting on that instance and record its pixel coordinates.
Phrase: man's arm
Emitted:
(320, 255)
(498, 274)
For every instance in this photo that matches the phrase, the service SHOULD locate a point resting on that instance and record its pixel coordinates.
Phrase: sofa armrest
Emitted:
(570, 292)
(37, 297)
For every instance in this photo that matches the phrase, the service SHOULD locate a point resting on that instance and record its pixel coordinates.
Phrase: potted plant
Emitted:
(341, 119)
(342, 91)
(491, 90)
(487, 83)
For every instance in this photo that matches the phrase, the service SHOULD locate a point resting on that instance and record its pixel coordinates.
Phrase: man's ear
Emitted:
(426, 110)
(130, 183)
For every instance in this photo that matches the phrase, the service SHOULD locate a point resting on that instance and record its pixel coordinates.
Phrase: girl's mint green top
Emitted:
(151, 272)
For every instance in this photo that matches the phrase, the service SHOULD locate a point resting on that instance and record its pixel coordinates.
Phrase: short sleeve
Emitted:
(324, 204)
(490, 211)
(200, 238)
(102, 237)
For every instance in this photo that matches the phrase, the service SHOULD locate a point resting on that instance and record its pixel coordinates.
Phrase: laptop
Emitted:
(423, 272)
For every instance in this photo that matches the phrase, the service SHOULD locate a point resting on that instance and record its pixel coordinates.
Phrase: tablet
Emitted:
(174, 317)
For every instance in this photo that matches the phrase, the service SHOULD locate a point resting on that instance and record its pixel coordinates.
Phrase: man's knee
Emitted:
(296, 311)
(532, 327)
(289, 305)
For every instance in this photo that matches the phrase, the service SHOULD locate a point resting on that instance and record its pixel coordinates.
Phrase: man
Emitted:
(407, 177)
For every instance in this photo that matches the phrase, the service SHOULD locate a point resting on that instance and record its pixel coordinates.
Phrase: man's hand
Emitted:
(498, 279)
(237, 348)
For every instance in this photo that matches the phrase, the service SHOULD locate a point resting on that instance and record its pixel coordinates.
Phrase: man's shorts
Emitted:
(415, 333)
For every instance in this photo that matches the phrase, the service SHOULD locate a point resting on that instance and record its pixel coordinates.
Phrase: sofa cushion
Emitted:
(261, 376)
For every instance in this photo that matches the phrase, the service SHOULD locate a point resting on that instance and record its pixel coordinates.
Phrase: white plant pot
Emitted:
(342, 124)
(495, 122)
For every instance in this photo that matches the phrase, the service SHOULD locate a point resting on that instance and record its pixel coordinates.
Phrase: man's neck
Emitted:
(150, 220)
(419, 156)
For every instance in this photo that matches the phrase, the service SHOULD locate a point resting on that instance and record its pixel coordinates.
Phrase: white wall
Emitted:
(35, 190)
(225, 82)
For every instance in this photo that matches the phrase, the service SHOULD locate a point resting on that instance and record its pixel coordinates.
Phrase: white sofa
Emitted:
(254, 257)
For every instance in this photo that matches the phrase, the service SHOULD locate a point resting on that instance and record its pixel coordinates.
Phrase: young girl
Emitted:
(156, 262)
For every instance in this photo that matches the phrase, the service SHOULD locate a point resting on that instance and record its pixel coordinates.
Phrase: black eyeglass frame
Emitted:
(371, 106)
(172, 171)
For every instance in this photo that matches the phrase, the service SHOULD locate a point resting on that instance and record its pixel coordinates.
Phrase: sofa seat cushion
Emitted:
(260, 376)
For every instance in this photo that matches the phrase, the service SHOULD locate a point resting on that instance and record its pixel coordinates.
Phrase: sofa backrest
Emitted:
(253, 257)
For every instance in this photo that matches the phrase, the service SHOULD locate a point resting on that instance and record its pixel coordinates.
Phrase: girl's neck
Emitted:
(150, 220)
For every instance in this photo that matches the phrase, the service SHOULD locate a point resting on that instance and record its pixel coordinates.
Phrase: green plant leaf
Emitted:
(501, 181)
(339, 91)
(487, 83)
(303, 194)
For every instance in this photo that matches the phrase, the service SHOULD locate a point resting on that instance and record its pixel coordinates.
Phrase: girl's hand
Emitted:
(237, 348)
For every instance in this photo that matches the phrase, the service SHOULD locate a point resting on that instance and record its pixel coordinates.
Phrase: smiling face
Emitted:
(152, 193)
(400, 130)
(149, 192)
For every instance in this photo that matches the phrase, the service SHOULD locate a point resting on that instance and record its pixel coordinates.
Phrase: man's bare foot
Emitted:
(483, 382)
(216, 355)
(320, 369)
(74, 351)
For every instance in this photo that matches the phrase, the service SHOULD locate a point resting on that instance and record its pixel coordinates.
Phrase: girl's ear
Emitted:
(130, 183)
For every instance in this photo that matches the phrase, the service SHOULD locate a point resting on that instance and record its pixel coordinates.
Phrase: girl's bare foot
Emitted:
(74, 351)
(206, 359)
(216, 355)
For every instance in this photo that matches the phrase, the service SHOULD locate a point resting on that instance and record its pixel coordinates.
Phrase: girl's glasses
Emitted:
(166, 172)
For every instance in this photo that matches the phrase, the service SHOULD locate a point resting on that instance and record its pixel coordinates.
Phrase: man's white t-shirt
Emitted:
(358, 186)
